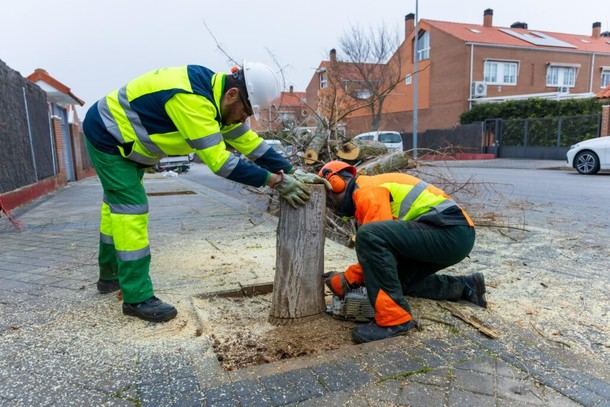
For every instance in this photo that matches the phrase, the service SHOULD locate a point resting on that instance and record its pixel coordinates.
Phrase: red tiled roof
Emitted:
(42, 75)
(349, 70)
(494, 35)
(603, 94)
(291, 99)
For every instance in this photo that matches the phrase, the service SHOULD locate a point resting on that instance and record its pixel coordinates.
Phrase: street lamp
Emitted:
(415, 80)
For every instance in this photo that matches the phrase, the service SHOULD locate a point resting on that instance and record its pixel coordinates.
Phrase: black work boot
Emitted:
(373, 332)
(107, 286)
(153, 309)
(474, 291)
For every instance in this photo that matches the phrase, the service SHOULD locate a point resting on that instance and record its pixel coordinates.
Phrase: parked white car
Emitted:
(391, 139)
(590, 156)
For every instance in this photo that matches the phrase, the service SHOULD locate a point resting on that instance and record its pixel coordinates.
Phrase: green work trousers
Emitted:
(401, 258)
(124, 251)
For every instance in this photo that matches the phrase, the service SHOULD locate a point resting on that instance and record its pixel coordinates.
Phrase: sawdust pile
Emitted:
(241, 336)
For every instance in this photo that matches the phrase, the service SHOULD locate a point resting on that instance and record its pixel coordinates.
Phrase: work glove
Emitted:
(310, 178)
(292, 190)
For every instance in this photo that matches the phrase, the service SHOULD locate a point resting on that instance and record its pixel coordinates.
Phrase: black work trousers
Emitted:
(401, 258)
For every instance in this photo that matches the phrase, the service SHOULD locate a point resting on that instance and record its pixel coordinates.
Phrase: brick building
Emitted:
(338, 90)
(289, 111)
(461, 64)
(72, 159)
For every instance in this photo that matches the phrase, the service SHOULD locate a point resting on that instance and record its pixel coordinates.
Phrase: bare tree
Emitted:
(375, 66)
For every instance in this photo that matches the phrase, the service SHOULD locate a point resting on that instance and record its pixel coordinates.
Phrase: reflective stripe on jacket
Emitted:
(176, 111)
(398, 196)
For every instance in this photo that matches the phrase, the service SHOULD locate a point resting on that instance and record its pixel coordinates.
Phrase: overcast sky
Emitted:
(97, 46)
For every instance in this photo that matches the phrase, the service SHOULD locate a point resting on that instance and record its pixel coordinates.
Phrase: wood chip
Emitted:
(471, 320)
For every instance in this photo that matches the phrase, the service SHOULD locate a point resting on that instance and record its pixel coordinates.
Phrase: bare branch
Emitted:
(279, 66)
(220, 48)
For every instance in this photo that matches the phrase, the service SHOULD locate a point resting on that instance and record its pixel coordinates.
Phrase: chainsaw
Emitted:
(355, 306)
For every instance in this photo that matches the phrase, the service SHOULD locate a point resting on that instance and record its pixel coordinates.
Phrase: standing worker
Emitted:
(407, 231)
(174, 111)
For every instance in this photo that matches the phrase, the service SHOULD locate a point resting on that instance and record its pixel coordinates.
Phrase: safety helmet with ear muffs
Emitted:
(330, 171)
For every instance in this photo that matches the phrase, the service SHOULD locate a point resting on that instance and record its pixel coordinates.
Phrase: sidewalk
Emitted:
(61, 343)
(514, 163)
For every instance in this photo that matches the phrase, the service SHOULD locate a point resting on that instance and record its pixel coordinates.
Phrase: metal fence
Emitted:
(545, 138)
(27, 153)
(466, 138)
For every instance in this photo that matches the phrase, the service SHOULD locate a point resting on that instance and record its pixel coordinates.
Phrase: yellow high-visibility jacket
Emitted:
(176, 111)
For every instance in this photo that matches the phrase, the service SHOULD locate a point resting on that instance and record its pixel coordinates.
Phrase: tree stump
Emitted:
(298, 288)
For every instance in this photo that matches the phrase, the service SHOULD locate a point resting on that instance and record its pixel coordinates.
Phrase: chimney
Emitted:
(409, 24)
(333, 55)
(597, 29)
(291, 88)
(488, 18)
(519, 24)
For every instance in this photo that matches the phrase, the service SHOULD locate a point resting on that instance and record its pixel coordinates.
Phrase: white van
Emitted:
(391, 139)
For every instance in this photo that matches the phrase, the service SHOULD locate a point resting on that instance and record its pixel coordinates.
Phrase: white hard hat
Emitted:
(262, 85)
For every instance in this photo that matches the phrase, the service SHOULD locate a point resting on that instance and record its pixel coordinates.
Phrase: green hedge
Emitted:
(549, 131)
(530, 108)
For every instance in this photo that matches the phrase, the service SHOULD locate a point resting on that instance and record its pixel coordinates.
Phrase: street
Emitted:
(559, 199)
(202, 175)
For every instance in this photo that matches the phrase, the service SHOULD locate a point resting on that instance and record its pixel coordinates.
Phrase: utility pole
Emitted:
(415, 79)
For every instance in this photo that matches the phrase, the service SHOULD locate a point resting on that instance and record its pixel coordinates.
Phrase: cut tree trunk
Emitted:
(398, 160)
(298, 289)
(312, 153)
(359, 150)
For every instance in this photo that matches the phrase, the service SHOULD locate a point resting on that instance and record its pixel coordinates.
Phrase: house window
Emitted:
(606, 78)
(362, 94)
(561, 76)
(323, 80)
(423, 46)
(500, 72)
(287, 116)
(408, 79)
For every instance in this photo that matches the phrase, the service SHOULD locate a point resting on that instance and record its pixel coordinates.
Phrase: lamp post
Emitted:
(415, 80)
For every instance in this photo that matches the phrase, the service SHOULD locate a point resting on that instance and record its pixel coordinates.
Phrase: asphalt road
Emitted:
(200, 174)
(557, 199)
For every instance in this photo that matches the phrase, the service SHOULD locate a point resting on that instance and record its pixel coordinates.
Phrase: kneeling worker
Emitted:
(407, 231)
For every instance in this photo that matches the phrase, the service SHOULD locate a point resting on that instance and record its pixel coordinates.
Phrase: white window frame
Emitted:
(323, 80)
(408, 79)
(500, 68)
(605, 78)
(287, 115)
(423, 46)
(561, 76)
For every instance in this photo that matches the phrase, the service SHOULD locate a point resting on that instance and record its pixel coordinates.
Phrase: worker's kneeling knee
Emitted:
(365, 237)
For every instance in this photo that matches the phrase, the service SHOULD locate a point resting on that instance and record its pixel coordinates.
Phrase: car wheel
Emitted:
(586, 162)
